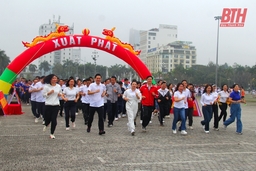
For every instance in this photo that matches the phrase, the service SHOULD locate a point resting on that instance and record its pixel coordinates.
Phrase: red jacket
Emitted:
(150, 98)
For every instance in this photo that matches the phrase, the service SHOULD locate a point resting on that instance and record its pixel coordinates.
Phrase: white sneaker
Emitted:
(67, 129)
(73, 124)
(207, 132)
(76, 113)
(150, 122)
(140, 121)
(116, 119)
(36, 120)
(174, 131)
(43, 122)
(123, 115)
(190, 127)
(44, 129)
(119, 115)
(52, 136)
(163, 121)
(225, 126)
(183, 132)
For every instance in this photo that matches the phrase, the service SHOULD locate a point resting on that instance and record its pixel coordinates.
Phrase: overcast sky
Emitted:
(20, 21)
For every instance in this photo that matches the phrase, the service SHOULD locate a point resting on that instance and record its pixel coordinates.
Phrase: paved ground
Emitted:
(24, 146)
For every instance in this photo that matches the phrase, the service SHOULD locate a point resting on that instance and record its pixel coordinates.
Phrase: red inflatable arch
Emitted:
(58, 40)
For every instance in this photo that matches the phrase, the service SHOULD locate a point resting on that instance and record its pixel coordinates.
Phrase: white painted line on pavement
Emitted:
(209, 144)
(101, 159)
(13, 126)
(196, 154)
(174, 162)
(244, 152)
(82, 141)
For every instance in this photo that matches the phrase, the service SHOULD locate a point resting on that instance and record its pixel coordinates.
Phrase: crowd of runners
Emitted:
(111, 99)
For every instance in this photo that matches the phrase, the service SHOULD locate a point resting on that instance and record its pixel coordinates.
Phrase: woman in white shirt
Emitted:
(71, 96)
(132, 97)
(223, 99)
(207, 100)
(51, 92)
(180, 101)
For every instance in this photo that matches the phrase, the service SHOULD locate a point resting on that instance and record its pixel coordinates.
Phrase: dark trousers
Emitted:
(120, 106)
(78, 105)
(70, 108)
(124, 108)
(146, 112)
(85, 109)
(40, 109)
(223, 109)
(105, 111)
(215, 115)
(26, 97)
(112, 109)
(51, 113)
(207, 112)
(190, 116)
(33, 108)
(100, 111)
(164, 110)
(61, 106)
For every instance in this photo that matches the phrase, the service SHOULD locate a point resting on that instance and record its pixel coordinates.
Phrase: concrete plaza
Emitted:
(24, 146)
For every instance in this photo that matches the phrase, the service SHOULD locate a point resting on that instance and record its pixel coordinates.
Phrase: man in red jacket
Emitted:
(149, 93)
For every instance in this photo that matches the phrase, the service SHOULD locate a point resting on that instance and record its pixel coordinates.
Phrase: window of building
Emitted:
(193, 57)
(181, 56)
(175, 56)
(148, 42)
(176, 35)
(149, 38)
(154, 38)
(187, 57)
(175, 60)
(151, 34)
(187, 62)
(148, 46)
(69, 53)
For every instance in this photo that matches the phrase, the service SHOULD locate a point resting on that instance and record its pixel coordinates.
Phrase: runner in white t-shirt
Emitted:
(97, 91)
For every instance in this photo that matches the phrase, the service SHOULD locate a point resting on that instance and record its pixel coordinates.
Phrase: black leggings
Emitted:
(51, 113)
(223, 109)
(70, 108)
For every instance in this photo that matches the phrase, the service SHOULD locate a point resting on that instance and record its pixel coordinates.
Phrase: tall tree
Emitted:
(4, 61)
(32, 68)
(45, 66)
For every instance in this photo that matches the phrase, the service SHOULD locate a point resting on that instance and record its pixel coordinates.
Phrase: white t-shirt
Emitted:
(188, 94)
(62, 88)
(70, 94)
(39, 94)
(52, 99)
(33, 94)
(223, 96)
(85, 98)
(207, 99)
(182, 103)
(96, 100)
(126, 86)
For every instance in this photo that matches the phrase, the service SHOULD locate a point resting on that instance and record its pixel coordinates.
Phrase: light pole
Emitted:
(94, 57)
(217, 51)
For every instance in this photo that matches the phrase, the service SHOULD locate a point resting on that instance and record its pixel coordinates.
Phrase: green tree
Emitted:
(4, 61)
(44, 66)
(32, 68)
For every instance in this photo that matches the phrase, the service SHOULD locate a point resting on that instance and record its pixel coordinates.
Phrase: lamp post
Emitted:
(217, 51)
(94, 57)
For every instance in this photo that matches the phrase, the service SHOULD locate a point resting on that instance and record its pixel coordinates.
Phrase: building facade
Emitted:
(58, 56)
(155, 38)
(166, 58)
